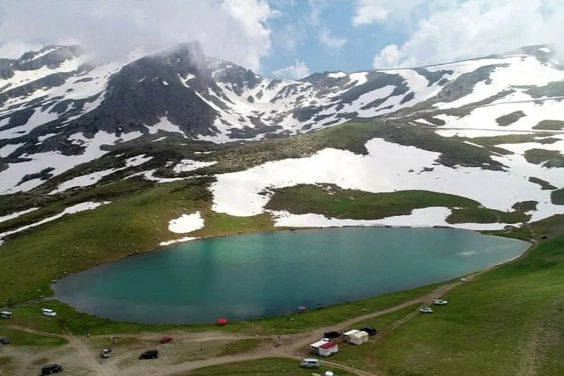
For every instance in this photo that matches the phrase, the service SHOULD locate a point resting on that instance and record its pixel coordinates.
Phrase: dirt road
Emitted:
(292, 346)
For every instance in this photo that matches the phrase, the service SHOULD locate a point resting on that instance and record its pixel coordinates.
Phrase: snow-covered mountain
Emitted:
(60, 108)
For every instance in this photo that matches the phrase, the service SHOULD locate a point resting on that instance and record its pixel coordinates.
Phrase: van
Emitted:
(48, 312)
(51, 368)
(310, 363)
(150, 354)
(5, 314)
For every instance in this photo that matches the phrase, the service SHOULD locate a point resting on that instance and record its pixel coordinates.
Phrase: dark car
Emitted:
(51, 368)
(370, 330)
(332, 334)
(150, 354)
(5, 340)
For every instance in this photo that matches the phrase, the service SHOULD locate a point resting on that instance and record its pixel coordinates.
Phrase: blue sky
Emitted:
(323, 36)
(288, 38)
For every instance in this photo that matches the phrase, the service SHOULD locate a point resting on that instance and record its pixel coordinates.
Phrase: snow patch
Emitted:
(181, 240)
(433, 216)
(95, 177)
(70, 210)
(186, 223)
(337, 75)
(186, 165)
(8, 149)
(387, 168)
(166, 126)
(16, 214)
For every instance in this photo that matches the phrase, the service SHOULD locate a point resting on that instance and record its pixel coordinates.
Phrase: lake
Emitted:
(251, 276)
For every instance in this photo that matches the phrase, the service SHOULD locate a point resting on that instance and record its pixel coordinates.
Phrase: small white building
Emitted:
(328, 348)
(315, 346)
(350, 333)
(358, 338)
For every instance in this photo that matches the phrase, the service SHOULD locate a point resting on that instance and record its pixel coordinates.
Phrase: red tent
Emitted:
(222, 321)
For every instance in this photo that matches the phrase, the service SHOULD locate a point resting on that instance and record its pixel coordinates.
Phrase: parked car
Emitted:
(309, 363)
(51, 368)
(5, 314)
(440, 302)
(370, 330)
(105, 353)
(332, 334)
(329, 373)
(149, 354)
(426, 310)
(5, 340)
(48, 312)
(166, 339)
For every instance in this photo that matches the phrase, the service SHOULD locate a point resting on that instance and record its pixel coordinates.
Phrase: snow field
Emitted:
(387, 169)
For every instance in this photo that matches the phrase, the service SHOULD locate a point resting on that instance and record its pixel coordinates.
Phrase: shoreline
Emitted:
(532, 245)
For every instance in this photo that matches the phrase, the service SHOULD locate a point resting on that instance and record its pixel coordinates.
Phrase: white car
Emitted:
(440, 302)
(48, 312)
(426, 310)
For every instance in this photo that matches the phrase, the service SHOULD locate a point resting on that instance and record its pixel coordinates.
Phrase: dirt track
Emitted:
(80, 355)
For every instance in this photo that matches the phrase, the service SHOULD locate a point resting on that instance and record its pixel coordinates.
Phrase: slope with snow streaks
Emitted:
(70, 210)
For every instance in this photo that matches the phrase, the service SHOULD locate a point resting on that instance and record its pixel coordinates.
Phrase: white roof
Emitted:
(6, 312)
(351, 332)
(359, 334)
(319, 343)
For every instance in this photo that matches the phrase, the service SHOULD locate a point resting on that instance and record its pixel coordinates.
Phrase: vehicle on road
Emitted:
(48, 312)
(309, 363)
(5, 340)
(332, 334)
(106, 353)
(51, 368)
(370, 330)
(149, 354)
(166, 339)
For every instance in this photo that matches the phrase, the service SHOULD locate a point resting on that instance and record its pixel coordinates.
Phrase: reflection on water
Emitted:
(259, 275)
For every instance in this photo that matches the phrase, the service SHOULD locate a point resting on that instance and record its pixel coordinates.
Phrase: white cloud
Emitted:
(13, 50)
(296, 71)
(316, 9)
(330, 41)
(388, 57)
(371, 11)
(368, 11)
(236, 30)
(472, 28)
(290, 36)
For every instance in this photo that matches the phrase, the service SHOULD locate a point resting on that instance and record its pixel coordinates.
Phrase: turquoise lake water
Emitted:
(251, 276)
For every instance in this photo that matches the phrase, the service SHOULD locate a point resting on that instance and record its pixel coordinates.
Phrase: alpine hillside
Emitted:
(474, 144)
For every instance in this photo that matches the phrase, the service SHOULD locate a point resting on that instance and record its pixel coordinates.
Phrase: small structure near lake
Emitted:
(358, 338)
(328, 348)
(324, 347)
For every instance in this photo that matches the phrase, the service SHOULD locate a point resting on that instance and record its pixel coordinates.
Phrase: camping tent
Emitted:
(358, 338)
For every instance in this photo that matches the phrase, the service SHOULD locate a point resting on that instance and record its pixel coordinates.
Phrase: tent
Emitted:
(358, 338)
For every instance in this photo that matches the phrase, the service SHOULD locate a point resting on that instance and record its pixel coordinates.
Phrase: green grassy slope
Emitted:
(508, 321)
(332, 201)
